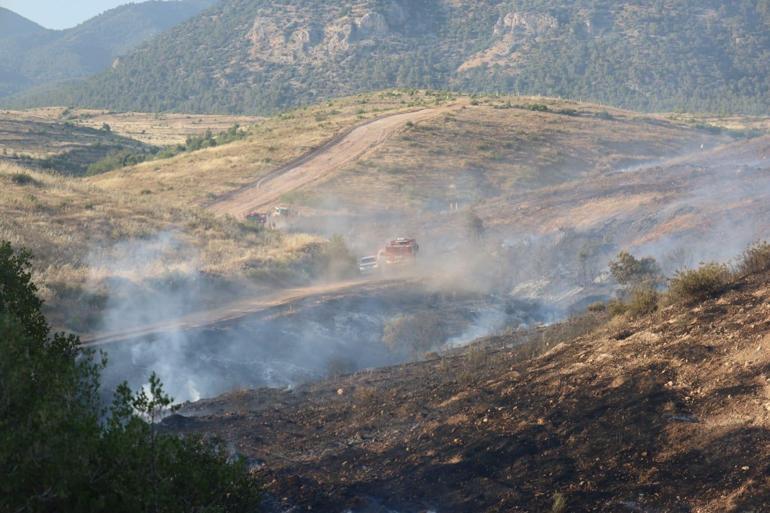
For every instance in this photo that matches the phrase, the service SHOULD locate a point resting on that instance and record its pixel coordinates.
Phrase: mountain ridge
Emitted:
(31, 55)
(254, 56)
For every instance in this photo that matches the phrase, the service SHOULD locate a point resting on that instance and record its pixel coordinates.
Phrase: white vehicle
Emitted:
(368, 265)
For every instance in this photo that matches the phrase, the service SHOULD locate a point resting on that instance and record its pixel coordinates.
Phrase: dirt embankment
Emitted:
(670, 413)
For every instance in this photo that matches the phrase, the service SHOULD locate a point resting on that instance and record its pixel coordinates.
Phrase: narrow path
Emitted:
(319, 164)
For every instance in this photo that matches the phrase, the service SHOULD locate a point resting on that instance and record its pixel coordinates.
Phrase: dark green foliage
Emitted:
(23, 179)
(61, 451)
(18, 295)
(706, 55)
(537, 107)
(118, 159)
(632, 272)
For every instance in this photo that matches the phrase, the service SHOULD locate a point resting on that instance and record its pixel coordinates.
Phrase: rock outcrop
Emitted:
(511, 31)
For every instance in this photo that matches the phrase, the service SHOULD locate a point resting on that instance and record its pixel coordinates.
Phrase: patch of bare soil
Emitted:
(670, 413)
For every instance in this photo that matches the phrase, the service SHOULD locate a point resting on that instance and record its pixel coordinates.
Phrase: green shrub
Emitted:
(605, 115)
(643, 301)
(23, 179)
(632, 272)
(616, 308)
(414, 334)
(756, 259)
(697, 284)
(598, 307)
(336, 260)
(536, 107)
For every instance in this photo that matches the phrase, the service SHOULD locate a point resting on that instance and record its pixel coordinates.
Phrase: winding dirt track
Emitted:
(240, 309)
(319, 164)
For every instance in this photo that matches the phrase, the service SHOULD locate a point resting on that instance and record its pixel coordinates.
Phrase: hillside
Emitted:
(54, 144)
(32, 56)
(257, 56)
(544, 176)
(668, 412)
(78, 226)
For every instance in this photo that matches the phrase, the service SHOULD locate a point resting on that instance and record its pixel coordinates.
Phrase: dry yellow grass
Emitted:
(497, 146)
(77, 232)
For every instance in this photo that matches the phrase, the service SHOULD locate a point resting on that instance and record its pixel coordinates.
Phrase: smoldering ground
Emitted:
(306, 340)
(473, 283)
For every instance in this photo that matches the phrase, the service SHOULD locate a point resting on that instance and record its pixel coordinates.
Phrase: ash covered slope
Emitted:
(666, 413)
(31, 55)
(261, 55)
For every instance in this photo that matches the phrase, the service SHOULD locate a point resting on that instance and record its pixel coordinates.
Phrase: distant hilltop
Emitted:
(32, 56)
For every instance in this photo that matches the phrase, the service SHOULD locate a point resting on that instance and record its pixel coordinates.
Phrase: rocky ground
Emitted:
(668, 413)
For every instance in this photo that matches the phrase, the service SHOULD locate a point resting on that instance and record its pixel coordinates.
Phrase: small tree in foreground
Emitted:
(60, 450)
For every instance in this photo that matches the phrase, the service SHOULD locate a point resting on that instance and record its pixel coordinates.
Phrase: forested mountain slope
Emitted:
(257, 56)
(32, 55)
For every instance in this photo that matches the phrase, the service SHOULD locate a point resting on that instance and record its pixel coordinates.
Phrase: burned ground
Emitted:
(674, 415)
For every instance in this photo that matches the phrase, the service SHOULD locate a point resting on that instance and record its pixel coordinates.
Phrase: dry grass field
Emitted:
(162, 129)
(65, 147)
(81, 236)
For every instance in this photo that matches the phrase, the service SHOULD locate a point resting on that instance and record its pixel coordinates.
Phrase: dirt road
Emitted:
(238, 309)
(319, 164)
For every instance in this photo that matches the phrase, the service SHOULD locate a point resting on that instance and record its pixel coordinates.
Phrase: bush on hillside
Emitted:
(23, 179)
(642, 301)
(707, 281)
(756, 259)
(61, 451)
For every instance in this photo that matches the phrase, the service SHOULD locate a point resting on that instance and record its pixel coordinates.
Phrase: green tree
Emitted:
(61, 450)
(632, 272)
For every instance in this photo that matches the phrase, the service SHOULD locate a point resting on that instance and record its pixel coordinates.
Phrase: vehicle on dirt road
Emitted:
(258, 217)
(398, 252)
(281, 212)
(368, 265)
